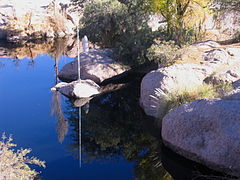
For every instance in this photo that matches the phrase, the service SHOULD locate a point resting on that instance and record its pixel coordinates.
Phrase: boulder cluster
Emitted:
(205, 130)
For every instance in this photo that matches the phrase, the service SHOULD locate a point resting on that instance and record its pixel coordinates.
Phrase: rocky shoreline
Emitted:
(30, 20)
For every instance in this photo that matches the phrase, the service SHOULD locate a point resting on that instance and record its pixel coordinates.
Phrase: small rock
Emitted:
(78, 89)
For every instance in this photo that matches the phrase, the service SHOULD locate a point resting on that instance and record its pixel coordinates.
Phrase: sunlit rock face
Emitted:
(26, 19)
(78, 89)
(206, 131)
(203, 62)
(222, 27)
(97, 65)
(157, 84)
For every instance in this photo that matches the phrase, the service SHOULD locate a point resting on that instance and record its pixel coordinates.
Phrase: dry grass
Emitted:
(204, 91)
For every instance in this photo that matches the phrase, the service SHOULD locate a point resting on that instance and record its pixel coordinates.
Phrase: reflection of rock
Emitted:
(206, 131)
(111, 87)
(181, 168)
(78, 89)
(96, 65)
(54, 48)
(81, 101)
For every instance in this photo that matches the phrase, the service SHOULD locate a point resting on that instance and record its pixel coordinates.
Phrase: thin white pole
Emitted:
(80, 114)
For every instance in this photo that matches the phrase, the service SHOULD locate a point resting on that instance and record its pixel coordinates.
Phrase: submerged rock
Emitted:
(206, 131)
(78, 89)
(97, 65)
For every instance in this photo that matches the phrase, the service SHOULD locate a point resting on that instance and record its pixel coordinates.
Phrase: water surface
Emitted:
(118, 141)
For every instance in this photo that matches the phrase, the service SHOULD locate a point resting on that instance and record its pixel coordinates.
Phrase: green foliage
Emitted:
(119, 24)
(14, 164)
(177, 13)
(164, 52)
(133, 47)
(102, 22)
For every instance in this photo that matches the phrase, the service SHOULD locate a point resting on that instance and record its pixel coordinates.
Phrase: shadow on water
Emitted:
(113, 128)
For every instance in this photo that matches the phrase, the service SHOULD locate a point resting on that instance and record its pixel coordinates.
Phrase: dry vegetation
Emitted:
(14, 164)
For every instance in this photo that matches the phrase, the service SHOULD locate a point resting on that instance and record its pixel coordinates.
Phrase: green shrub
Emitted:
(164, 52)
(103, 21)
(121, 25)
(14, 163)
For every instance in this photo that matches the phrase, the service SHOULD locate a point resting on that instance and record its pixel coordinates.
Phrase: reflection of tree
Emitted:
(113, 127)
(62, 124)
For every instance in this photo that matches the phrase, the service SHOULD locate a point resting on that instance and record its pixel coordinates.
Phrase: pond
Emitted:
(116, 140)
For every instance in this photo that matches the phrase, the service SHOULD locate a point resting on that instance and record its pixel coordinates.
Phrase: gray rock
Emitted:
(235, 94)
(206, 44)
(223, 26)
(26, 19)
(78, 89)
(206, 131)
(233, 51)
(156, 84)
(96, 65)
(216, 56)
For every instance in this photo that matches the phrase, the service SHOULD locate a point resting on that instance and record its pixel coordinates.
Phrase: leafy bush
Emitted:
(14, 164)
(164, 52)
(102, 21)
(119, 24)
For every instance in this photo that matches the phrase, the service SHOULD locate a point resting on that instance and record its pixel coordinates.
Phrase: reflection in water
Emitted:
(116, 127)
(54, 48)
(56, 110)
(113, 128)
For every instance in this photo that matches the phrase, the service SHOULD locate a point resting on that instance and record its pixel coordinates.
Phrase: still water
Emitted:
(113, 144)
(117, 142)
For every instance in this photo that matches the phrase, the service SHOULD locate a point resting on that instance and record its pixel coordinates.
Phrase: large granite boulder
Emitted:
(97, 65)
(157, 84)
(206, 131)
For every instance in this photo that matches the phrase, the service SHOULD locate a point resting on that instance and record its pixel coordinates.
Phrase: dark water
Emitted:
(118, 142)
(113, 143)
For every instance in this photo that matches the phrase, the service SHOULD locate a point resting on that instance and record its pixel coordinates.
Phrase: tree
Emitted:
(175, 11)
